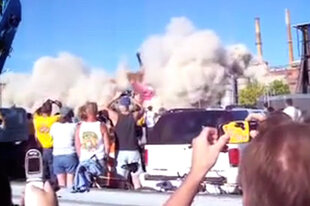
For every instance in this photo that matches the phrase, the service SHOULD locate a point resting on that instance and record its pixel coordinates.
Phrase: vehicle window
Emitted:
(181, 127)
(239, 115)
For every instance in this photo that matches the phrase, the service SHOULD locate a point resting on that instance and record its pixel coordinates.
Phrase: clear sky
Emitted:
(103, 32)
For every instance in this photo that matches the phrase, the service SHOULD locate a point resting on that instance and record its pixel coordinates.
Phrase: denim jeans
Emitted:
(65, 164)
(48, 164)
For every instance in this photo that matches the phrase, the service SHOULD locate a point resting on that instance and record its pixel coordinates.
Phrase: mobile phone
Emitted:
(34, 168)
(239, 131)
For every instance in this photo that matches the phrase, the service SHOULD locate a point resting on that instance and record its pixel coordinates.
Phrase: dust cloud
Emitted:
(64, 77)
(186, 65)
(183, 65)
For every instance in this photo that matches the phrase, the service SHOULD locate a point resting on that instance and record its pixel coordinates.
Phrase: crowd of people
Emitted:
(109, 135)
(67, 139)
(274, 170)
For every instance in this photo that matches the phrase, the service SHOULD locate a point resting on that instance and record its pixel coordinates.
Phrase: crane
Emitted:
(13, 121)
(10, 17)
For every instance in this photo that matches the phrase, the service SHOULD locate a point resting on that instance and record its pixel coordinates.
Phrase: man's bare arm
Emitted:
(137, 104)
(139, 111)
(206, 148)
(114, 99)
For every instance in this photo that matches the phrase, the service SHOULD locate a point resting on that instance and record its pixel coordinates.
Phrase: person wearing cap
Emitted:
(65, 159)
(125, 129)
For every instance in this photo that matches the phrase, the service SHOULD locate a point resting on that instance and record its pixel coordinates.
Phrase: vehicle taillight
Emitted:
(146, 157)
(234, 157)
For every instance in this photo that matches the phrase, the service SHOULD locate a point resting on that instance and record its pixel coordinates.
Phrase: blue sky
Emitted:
(103, 32)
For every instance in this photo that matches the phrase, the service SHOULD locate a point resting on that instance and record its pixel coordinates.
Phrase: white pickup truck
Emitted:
(168, 151)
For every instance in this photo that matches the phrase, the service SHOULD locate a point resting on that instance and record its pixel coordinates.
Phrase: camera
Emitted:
(34, 168)
(127, 92)
(239, 131)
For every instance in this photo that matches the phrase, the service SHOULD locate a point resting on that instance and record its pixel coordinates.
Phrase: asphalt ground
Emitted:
(113, 197)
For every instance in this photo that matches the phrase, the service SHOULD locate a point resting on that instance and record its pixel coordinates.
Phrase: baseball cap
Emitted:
(125, 101)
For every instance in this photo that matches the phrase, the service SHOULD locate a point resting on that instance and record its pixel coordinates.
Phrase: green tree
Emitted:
(278, 87)
(250, 94)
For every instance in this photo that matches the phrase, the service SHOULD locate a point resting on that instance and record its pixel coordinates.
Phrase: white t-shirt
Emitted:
(63, 135)
(91, 140)
(150, 119)
(293, 112)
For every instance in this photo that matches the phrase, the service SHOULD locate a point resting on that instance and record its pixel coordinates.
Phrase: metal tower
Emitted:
(304, 73)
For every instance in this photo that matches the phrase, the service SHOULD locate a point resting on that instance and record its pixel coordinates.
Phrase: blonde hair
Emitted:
(82, 112)
(91, 108)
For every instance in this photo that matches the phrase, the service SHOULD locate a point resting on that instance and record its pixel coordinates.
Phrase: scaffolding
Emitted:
(303, 85)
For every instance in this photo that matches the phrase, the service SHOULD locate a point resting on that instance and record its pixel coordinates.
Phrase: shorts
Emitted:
(126, 157)
(65, 164)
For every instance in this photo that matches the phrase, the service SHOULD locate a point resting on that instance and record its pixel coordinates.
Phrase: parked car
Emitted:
(14, 138)
(168, 150)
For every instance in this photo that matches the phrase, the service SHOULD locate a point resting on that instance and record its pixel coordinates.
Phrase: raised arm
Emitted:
(137, 104)
(114, 99)
(113, 115)
(139, 111)
(206, 148)
(58, 103)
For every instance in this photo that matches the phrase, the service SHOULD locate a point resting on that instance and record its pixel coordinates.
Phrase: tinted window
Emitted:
(14, 125)
(239, 115)
(180, 127)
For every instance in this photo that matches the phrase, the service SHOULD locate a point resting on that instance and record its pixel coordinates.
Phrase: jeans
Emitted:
(48, 164)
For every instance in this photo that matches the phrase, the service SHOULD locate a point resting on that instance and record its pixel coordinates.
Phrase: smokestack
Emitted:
(139, 59)
(289, 36)
(258, 39)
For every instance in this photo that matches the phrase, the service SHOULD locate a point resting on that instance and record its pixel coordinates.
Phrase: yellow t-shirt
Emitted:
(42, 126)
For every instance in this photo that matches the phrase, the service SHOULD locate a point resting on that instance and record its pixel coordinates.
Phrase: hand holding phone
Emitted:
(34, 168)
(238, 131)
(37, 197)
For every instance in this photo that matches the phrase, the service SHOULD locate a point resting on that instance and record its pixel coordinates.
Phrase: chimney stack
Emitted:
(139, 59)
(289, 36)
(258, 39)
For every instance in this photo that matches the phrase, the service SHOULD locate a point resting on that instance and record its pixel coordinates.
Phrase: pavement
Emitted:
(112, 197)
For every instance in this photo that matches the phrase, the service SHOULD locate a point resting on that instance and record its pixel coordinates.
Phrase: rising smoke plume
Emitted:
(184, 65)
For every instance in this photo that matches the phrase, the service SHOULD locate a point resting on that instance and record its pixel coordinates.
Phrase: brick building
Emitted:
(289, 73)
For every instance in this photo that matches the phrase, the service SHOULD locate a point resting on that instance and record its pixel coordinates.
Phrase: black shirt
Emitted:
(125, 130)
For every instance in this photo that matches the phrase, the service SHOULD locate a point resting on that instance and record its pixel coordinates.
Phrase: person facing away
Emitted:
(292, 111)
(150, 117)
(274, 170)
(91, 136)
(65, 159)
(42, 121)
(127, 141)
